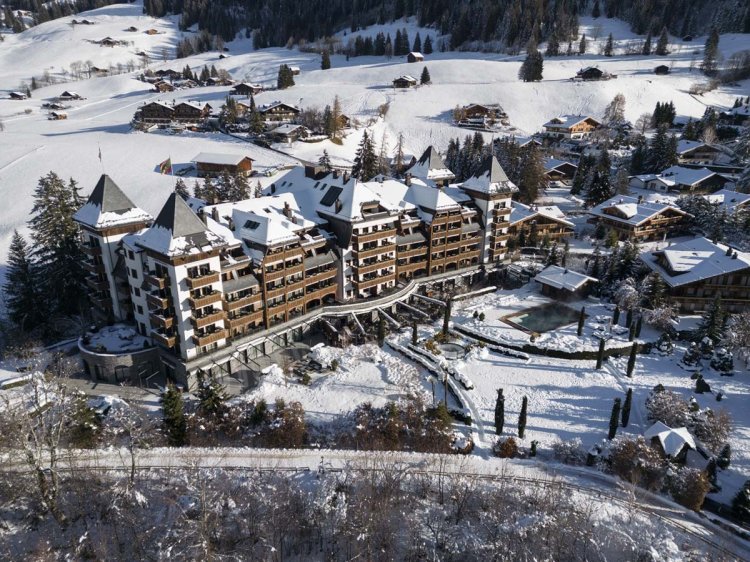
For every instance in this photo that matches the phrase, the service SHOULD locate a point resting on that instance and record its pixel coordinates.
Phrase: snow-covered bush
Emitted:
(664, 344)
(570, 451)
(661, 318)
(692, 355)
(741, 503)
(667, 407)
(637, 462)
(722, 360)
(688, 486)
(706, 347)
(506, 448)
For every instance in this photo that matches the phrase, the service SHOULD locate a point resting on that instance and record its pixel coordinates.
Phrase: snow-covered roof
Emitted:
(108, 206)
(431, 167)
(407, 78)
(263, 229)
(160, 103)
(273, 104)
(562, 278)
(491, 178)
(678, 175)
(520, 212)
(285, 129)
(684, 146)
(567, 121)
(553, 163)
(219, 158)
(629, 210)
(416, 54)
(672, 440)
(728, 199)
(694, 260)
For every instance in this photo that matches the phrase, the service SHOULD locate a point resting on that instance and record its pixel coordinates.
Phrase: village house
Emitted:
(287, 133)
(729, 200)
(415, 56)
(405, 81)
(278, 111)
(17, 96)
(56, 116)
(662, 69)
(570, 127)
(560, 283)
(671, 443)
(191, 112)
(70, 96)
(633, 218)
(590, 73)
(681, 180)
(295, 70)
(530, 225)
(162, 86)
(696, 152)
(245, 89)
(697, 271)
(151, 31)
(560, 172)
(155, 112)
(213, 164)
(108, 42)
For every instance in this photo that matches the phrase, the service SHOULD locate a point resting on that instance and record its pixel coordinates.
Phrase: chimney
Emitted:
(339, 205)
(729, 251)
(287, 210)
(346, 176)
(202, 215)
(407, 179)
(335, 174)
(215, 214)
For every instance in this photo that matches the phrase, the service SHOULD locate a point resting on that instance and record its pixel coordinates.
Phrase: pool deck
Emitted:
(508, 318)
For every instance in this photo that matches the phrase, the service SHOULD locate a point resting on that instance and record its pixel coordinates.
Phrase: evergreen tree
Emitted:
(598, 186)
(581, 320)
(447, 316)
(427, 45)
(614, 419)
(646, 51)
(741, 503)
(381, 332)
(325, 61)
(582, 45)
(365, 161)
(325, 161)
(596, 10)
(600, 355)
(173, 416)
(713, 322)
(240, 188)
(21, 298)
(711, 53)
(586, 163)
(417, 47)
(181, 189)
(663, 43)
(609, 46)
(626, 407)
(522, 418)
(398, 159)
(57, 253)
(532, 67)
(414, 333)
(425, 79)
(285, 78)
(211, 395)
(553, 46)
(631, 360)
(499, 412)
(84, 424)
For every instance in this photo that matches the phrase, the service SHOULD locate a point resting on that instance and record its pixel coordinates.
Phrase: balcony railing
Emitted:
(90, 250)
(205, 300)
(370, 236)
(97, 284)
(208, 339)
(163, 339)
(157, 302)
(94, 268)
(245, 320)
(208, 319)
(376, 281)
(160, 321)
(380, 264)
(240, 303)
(155, 280)
(361, 254)
(101, 302)
(203, 280)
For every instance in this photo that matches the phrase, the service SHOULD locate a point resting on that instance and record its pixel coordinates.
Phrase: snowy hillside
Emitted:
(31, 146)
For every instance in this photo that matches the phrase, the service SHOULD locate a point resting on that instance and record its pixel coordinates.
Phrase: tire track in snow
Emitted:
(22, 157)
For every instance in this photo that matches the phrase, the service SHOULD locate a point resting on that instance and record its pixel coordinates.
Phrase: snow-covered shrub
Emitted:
(701, 385)
(722, 360)
(664, 344)
(662, 318)
(692, 355)
(688, 487)
(711, 428)
(741, 503)
(570, 451)
(724, 457)
(506, 448)
(706, 347)
(637, 462)
(667, 407)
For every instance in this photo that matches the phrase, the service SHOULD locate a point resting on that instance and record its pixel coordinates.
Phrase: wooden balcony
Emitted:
(322, 276)
(369, 237)
(159, 321)
(377, 266)
(376, 281)
(241, 303)
(157, 302)
(97, 284)
(253, 318)
(321, 293)
(275, 293)
(208, 319)
(163, 339)
(274, 275)
(410, 267)
(205, 300)
(504, 212)
(203, 280)
(91, 250)
(362, 254)
(155, 281)
(208, 339)
(94, 268)
(102, 303)
(413, 252)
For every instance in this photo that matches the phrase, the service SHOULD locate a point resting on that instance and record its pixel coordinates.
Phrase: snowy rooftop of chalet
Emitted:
(562, 278)
(672, 440)
(219, 158)
(627, 209)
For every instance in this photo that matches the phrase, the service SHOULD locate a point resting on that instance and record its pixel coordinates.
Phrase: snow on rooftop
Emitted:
(630, 210)
(562, 278)
(219, 158)
(728, 199)
(672, 440)
(567, 121)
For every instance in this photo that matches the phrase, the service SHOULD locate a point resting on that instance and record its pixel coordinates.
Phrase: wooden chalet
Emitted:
(132, 29)
(287, 133)
(151, 31)
(562, 284)
(638, 220)
(17, 96)
(560, 171)
(155, 112)
(478, 111)
(590, 73)
(278, 111)
(295, 70)
(696, 152)
(697, 271)
(531, 224)
(57, 116)
(245, 89)
(67, 95)
(661, 70)
(679, 179)
(405, 82)
(214, 164)
(162, 86)
(415, 56)
(571, 127)
(188, 112)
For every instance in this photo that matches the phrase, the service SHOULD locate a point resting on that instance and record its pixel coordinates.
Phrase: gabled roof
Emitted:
(672, 440)
(264, 229)
(431, 167)
(728, 199)
(695, 260)
(520, 212)
(178, 231)
(685, 146)
(219, 158)
(678, 175)
(108, 206)
(270, 106)
(491, 178)
(562, 278)
(629, 210)
(552, 164)
(407, 78)
(159, 103)
(567, 121)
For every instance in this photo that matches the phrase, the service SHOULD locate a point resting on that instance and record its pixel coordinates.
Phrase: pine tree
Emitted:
(614, 419)
(663, 43)
(447, 316)
(173, 415)
(598, 186)
(626, 407)
(741, 503)
(417, 47)
(240, 189)
(285, 78)
(398, 159)
(646, 51)
(553, 45)
(711, 53)
(427, 45)
(600, 355)
(582, 45)
(596, 10)
(713, 322)
(57, 252)
(631, 360)
(365, 161)
(84, 424)
(381, 332)
(532, 67)
(414, 333)
(425, 79)
(581, 320)
(522, 418)
(211, 395)
(20, 289)
(499, 412)
(325, 161)
(181, 189)
(325, 61)
(609, 46)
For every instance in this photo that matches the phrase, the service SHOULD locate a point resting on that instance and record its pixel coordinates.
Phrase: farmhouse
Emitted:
(17, 96)
(531, 224)
(635, 219)
(560, 171)
(211, 164)
(570, 127)
(682, 180)
(162, 86)
(69, 96)
(190, 112)
(288, 132)
(155, 112)
(405, 81)
(57, 116)
(278, 111)
(245, 89)
(661, 69)
(730, 201)
(561, 283)
(295, 70)
(415, 56)
(695, 152)
(590, 73)
(697, 271)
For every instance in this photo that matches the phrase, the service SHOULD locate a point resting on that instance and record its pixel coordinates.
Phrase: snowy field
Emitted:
(31, 146)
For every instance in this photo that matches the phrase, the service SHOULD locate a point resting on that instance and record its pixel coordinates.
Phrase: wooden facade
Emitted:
(662, 224)
(156, 113)
(213, 169)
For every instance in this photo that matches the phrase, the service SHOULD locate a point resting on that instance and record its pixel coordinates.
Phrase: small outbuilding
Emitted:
(17, 96)
(673, 443)
(661, 69)
(405, 81)
(415, 56)
(214, 164)
(561, 283)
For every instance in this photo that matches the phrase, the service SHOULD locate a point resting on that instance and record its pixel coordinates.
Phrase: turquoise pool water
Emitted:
(544, 318)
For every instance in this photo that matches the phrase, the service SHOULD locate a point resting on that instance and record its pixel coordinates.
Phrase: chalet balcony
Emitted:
(321, 276)
(91, 250)
(157, 302)
(161, 321)
(378, 265)
(203, 280)
(275, 275)
(421, 251)
(164, 339)
(204, 300)
(96, 284)
(92, 267)
(496, 238)
(229, 306)
(208, 319)
(155, 280)
(372, 236)
(411, 267)
(276, 292)
(252, 318)
(504, 212)
(208, 339)
(321, 293)
(101, 302)
(375, 281)
(386, 248)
